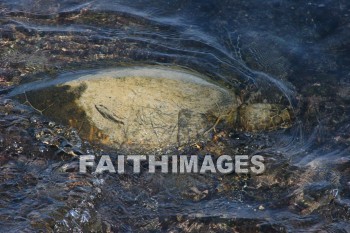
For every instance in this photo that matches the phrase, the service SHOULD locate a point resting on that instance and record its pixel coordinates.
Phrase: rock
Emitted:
(140, 107)
(146, 108)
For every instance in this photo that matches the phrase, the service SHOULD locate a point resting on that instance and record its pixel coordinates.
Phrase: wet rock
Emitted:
(140, 107)
(147, 108)
(255, 117)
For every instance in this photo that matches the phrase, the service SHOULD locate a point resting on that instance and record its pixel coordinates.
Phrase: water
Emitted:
(286, 52)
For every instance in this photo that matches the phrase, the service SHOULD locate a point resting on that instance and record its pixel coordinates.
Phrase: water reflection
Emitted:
(289, 52)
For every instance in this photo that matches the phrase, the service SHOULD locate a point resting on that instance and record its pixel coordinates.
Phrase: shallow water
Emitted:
(286, 52)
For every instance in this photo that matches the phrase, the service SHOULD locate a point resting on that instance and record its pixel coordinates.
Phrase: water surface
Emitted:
(286, 52)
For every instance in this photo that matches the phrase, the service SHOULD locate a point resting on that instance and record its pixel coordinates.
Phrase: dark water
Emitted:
(290, 52)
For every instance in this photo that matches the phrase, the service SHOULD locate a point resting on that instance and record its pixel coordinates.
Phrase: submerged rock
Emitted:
(147, 108)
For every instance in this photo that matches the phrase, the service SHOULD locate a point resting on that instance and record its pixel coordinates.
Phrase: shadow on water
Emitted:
(290, 53)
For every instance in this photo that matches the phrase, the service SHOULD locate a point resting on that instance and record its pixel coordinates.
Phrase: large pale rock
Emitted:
(147, 108)
(140, 107)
